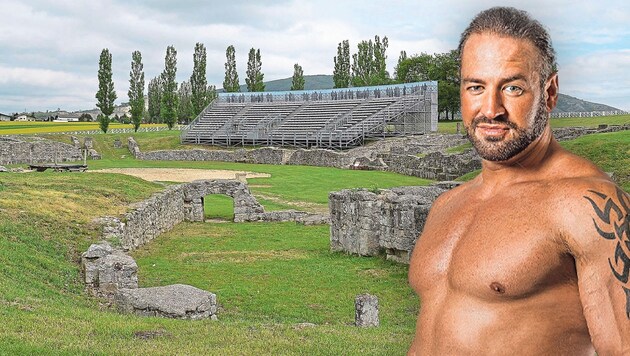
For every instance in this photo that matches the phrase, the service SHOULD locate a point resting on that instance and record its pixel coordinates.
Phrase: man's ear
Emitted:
(551, 92)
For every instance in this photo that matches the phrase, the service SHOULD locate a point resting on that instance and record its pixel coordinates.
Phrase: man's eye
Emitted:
(475, 89)
(513, 90)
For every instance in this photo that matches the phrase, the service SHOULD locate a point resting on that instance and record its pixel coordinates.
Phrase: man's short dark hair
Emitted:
(511, 22)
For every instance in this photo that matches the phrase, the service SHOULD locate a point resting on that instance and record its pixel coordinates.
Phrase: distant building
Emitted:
(24, 117)
(4, 117)
(67, 118)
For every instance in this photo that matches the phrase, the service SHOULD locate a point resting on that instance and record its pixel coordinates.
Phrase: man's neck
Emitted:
(525, 166)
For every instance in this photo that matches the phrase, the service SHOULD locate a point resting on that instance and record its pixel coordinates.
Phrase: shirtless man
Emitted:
(532, 256)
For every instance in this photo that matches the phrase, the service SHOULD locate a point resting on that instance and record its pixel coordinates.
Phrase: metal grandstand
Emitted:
(333, 118)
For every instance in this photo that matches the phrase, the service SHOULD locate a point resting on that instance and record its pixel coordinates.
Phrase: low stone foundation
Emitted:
(184, 202)
(19, 149)
(389, 221)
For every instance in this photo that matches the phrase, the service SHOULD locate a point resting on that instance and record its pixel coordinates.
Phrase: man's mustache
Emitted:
(499, 120)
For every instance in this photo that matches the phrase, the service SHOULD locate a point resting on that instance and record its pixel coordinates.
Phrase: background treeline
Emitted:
(169, 102)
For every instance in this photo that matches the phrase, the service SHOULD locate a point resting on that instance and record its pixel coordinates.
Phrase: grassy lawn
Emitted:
(268, 278)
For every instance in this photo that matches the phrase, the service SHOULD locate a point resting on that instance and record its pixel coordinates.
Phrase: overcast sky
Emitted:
(49, 50)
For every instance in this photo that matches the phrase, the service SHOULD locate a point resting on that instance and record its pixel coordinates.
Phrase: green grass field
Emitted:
(38, 127)
(268, 277)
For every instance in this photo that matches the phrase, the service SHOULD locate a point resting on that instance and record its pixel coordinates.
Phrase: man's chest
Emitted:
(494, 248)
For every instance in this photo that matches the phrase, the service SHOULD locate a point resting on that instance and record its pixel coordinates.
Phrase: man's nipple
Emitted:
(497, 287)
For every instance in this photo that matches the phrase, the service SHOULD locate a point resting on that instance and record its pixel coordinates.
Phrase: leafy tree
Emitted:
(212, 93)
(136, 89)
(185, 109)
(401, 58)
(441, 67)
(85, 117)
(298, 78)
(103, 122)
(255, 76)
(168, 110)
(106, 95)
(416, 68)
(155, 99)
(199, 96)
(230, 83)
(341, 73)
(380, 76)
(368, 64)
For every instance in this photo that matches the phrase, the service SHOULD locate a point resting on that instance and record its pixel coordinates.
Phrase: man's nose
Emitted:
(492, 105)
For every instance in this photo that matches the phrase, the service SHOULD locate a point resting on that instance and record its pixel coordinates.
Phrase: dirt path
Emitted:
(180, 174)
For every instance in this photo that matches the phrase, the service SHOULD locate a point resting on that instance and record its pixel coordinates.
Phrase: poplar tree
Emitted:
(136, 89)
(168, 110)
(298, 78)
(185, 109)
(155, 99)
(255, 76)
(341, 73)
(368, 64)
(198, 83)
(230, 84)
(106, 95)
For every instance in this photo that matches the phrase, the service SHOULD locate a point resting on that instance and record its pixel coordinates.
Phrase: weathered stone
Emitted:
(178, 301)
(106, 270)
(21, 149)
(117, 143)
(94, 154)
(88, 143)
(366, 223)
(3, 169)
(75, 142)
(366, 310)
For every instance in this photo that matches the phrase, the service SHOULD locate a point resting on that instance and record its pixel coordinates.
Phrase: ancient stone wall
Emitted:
(388, 221)
(435, 165)
(184, 202)
(15, 150)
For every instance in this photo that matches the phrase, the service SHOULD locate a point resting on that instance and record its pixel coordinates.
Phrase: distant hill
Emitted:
(566, 103)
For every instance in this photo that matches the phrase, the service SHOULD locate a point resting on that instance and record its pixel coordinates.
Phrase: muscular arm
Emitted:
(598, 236)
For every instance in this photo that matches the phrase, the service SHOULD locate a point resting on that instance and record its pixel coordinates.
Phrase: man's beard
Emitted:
(502, 149)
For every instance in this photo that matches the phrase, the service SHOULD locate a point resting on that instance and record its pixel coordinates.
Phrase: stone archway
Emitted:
(245, 205)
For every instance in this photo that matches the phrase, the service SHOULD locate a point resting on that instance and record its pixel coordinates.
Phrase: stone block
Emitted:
(366, 310)
(177, 301)
(106, 270)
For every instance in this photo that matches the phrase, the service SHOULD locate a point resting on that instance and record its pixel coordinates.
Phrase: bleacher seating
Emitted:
(337, 118)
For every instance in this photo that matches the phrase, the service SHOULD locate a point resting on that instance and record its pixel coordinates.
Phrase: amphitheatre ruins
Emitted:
(389, 128)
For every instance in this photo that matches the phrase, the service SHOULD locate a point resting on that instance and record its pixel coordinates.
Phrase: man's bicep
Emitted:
(602, 254)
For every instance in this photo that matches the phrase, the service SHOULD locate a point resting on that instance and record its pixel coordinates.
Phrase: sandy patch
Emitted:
(180, 174)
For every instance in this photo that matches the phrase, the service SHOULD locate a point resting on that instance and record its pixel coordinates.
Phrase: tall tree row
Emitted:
(198, 83)
(341, 73)
(297, 82)
(136, 89)
(106, 95)
(230, 83)
(154, 96)
(254, 79)
(168, 111)
(185, 107)
(368, 64)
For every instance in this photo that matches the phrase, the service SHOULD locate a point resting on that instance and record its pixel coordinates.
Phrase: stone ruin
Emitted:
(111, 274)
(185, 202)
(370, 223)
(366, 311)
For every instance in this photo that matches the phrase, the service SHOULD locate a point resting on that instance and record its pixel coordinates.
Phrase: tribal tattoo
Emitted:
(613, 223)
